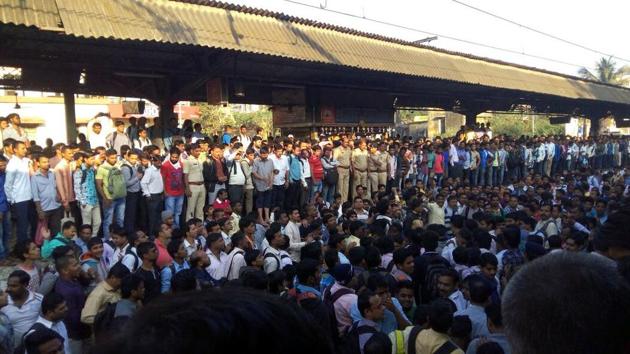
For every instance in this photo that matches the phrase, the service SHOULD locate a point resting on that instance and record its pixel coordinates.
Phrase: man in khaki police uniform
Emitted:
(343, 154)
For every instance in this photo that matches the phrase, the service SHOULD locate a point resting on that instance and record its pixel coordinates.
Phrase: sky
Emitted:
(600, 25)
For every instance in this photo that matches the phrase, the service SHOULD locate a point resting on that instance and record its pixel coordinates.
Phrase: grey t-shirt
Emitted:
(262, 168)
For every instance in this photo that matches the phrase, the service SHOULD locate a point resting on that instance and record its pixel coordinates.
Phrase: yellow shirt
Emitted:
(429, 341)
(98, 299)
(360, 159)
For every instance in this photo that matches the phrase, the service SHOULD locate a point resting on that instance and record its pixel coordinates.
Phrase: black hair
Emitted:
(331, 258)
(250, 256)
(61, 251)
(384, 244)
(144, 248)
(401, 254)
(559, 285)
(36, 338)
(512, 236)
(51, 301)
(440, 315)
(22, 276)
(460, 255)
(356, 255)
(67, 225)
(305, 269)
(22, 247)
(372, 257)
(488, 258)
(62, 263)
(479, 289)
(129, 283)
(461, 327)
(184, 280)
(312, 250)
(256, 279)
(554, 241)
(430, 240)
(376, 281)
(173, 246)
(363, 301)
(457, 221)
(119, 271)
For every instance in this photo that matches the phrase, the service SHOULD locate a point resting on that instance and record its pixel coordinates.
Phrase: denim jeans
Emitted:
(317, 187)
(115, 212)
(5, 234)
(328, 192)
(154, 211)
(131, 211)
(174, 205)
(21, 213)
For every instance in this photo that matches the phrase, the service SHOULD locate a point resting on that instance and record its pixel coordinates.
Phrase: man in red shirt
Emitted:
(161, 243)
(317, 171)
(173, 175)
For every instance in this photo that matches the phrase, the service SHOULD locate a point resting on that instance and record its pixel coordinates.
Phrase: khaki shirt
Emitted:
(360, 159)
(342, 155)
(383, 158)
(193, 168)
(373, 160)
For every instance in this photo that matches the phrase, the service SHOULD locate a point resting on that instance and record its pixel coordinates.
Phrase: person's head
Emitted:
(132, 287)
(54, 307)
(488, 263)
(479, 289)
(111, 156)
(405, 294)
(295, 215)
(27, 250)
(119, 237)
(16, 284)
(44, 341)
(274, 237)
(215, 242)
(147, 252)
(85, 232)
(403, 259)
(447, 282)
(379, 343)
(575, 241)
(116, 274)
(494, 318)
(176, 249)
(490, 348)
(371, 306)
(199, 259)
(551, 293)
(512, 236)
(120, 126)
(430, 240)
(68, 267)
(309, 272)
(95, 246)
(440, 316)
(165, 234)
(218, 321)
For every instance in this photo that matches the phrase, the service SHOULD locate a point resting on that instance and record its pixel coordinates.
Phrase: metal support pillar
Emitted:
(71, 117)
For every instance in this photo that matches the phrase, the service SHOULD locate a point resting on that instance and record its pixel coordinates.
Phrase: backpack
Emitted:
(351, 341)
(329, 300)
(116, 185)
(104, 320)
(331, 175)
(411, 340)
(136, 259)
(271, 255)
(229, 268)
(435, 267)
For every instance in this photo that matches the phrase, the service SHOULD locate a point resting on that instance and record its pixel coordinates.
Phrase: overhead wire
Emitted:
(549, 35)
(412, 29)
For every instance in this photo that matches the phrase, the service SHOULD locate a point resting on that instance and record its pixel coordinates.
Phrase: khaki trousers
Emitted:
(343, 183)
(194, 209)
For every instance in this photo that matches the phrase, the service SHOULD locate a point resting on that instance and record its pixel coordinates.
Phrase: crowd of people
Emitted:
(133, 241)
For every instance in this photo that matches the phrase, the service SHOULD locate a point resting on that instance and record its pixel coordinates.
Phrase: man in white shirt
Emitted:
(243, 138)
(218, 259)
(236, 258)
(97, 136)
(280, 175)
(54, 310)
(293, 231)
(272, 257)
(21, 305)
(447, 288)
(125, 252)
(546, 224)
(17, 187)
(152, 189)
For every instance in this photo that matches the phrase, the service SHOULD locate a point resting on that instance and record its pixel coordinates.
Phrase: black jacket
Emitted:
(210, 174)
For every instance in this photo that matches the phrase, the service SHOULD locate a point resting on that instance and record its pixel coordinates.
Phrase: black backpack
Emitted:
(104, 320)
(436, 266)
(351, 341)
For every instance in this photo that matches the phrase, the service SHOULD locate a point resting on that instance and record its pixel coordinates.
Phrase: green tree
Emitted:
(215, 117)
(517, 125)
(606, 71)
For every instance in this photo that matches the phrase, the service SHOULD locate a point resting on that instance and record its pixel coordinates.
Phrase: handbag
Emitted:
(42, 226)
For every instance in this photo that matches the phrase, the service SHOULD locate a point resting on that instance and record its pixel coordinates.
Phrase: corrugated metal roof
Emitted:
(235, 28)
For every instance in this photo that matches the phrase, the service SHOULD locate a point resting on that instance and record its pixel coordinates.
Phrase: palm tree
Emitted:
(606, 71)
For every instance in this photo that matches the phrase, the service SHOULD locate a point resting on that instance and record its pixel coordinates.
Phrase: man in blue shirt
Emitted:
(480, 293)
(495, 326)
(5, 217)
(295, 179)
(44, 190)
(394, 317)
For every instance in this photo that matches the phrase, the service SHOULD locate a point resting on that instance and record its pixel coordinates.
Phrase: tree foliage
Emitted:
(215, 117)
(606, 71)
(517, 125)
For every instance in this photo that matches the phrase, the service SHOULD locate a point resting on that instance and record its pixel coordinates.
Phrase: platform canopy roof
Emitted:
(228, 28)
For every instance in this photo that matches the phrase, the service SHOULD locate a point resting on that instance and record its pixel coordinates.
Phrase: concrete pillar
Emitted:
(471, 119)
(595, 126)
(71, 117)
(166, 113)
